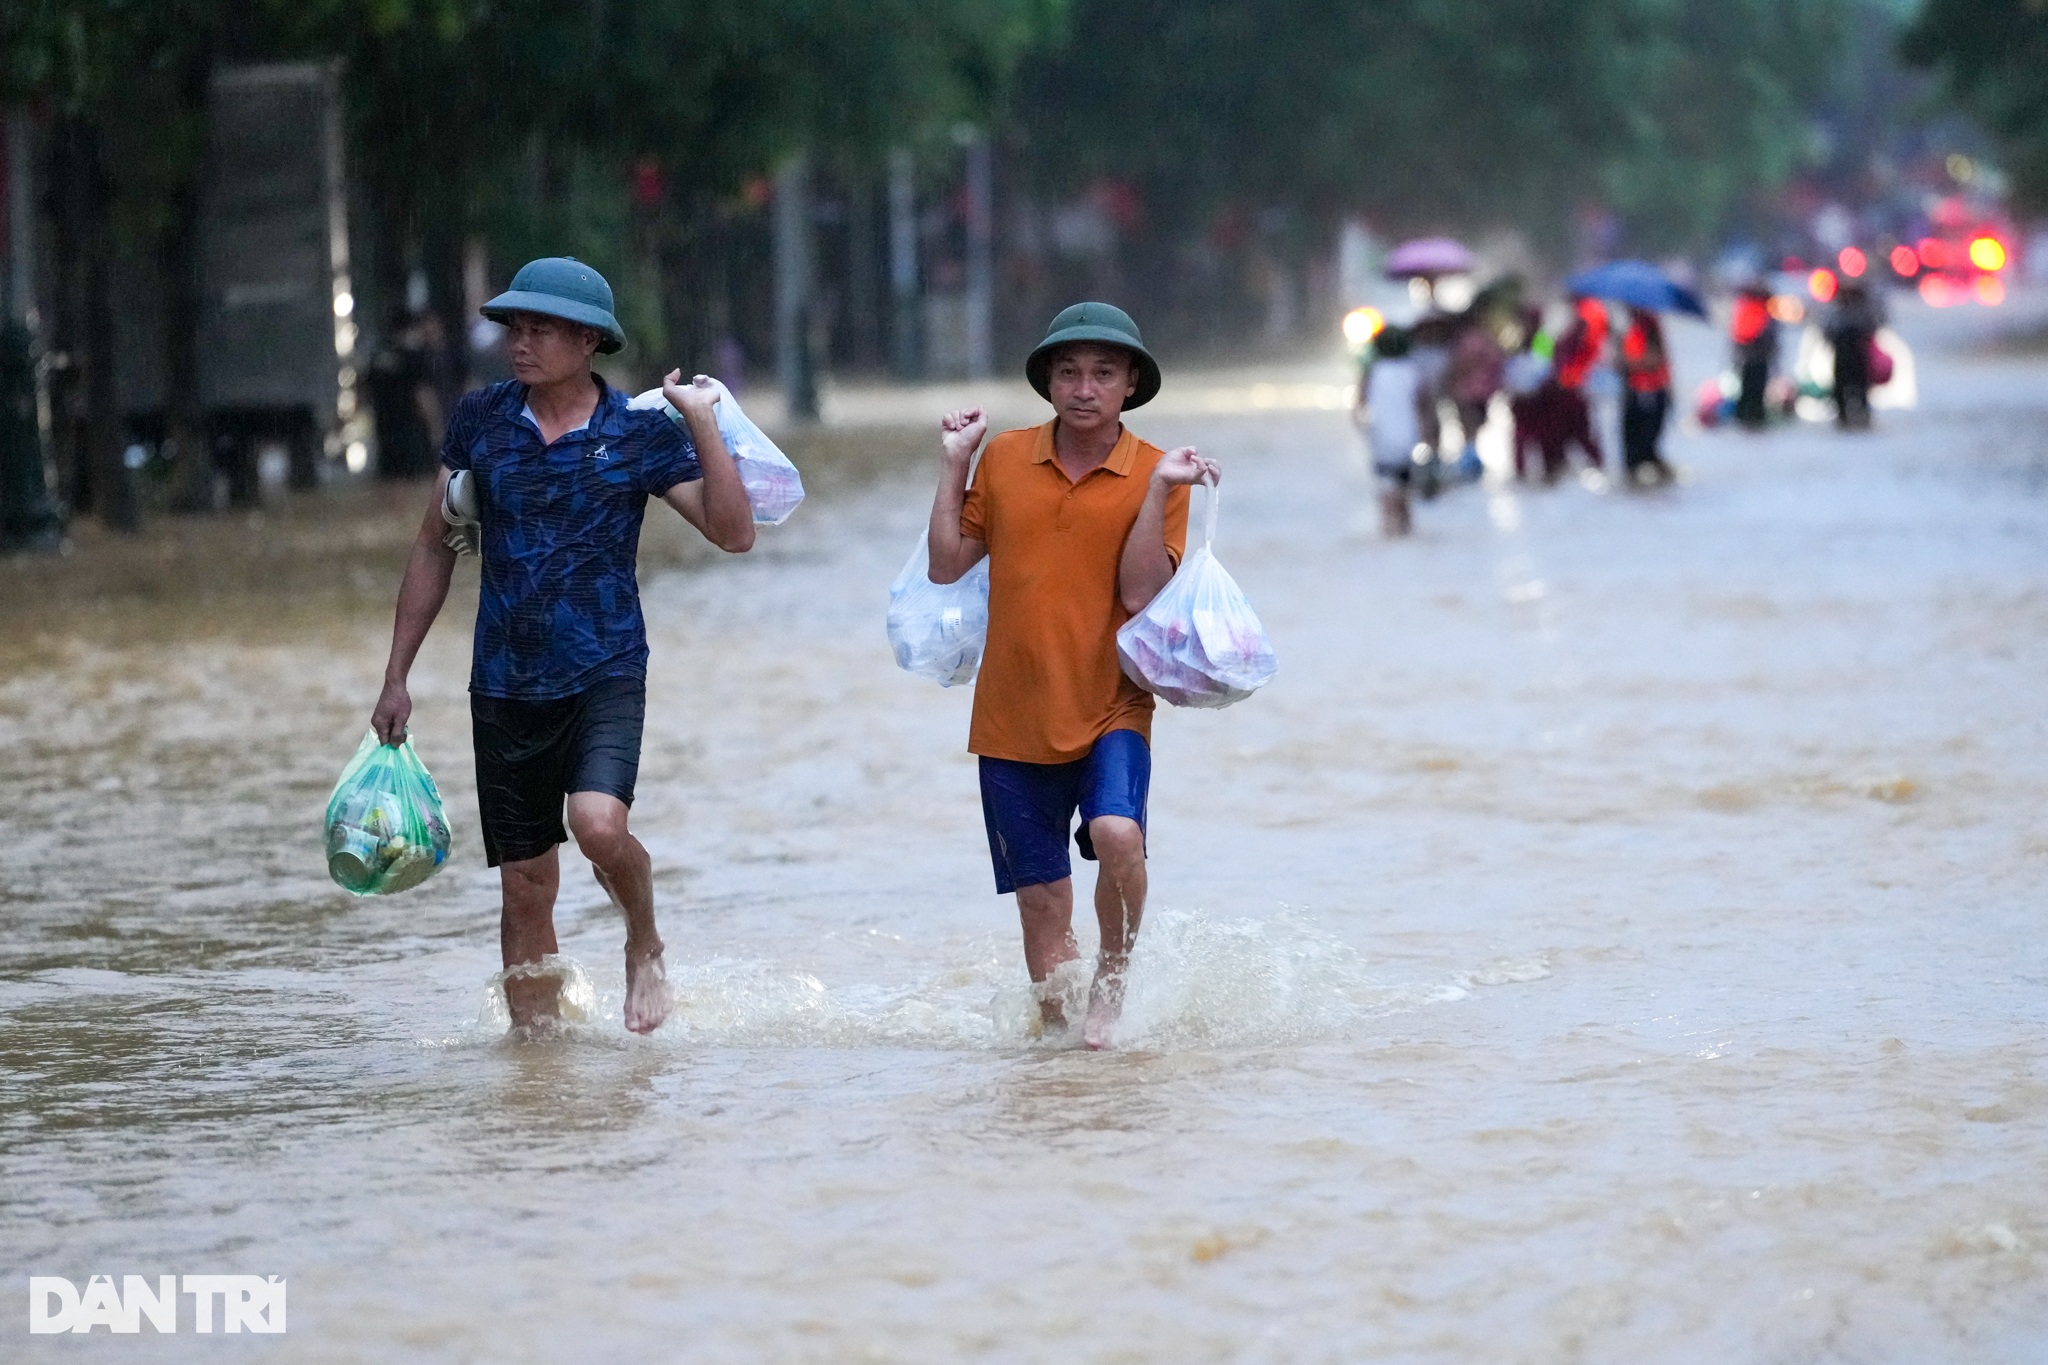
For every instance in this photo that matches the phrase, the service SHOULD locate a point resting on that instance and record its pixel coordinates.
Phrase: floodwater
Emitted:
(1615, 936)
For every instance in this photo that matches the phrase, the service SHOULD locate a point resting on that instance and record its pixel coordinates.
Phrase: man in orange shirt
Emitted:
(1083, 524)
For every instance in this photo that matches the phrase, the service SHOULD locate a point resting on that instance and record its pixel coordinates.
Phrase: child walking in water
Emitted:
(1083, 524)
(1388, 404)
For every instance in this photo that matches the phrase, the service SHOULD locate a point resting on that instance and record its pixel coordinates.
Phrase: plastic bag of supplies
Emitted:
(1198, 643)
(386, 830)
(774, 487)
(938, 629)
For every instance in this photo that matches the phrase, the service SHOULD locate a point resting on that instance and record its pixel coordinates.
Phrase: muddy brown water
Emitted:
(1616, 935)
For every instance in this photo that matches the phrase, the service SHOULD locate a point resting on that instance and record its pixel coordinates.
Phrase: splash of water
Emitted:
(579, 999)
(1195, 982)
(1202, 982)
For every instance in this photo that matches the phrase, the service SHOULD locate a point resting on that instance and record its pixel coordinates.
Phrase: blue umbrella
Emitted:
(1637, 284)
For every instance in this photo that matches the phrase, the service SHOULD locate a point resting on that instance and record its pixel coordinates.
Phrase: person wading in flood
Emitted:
(1646, 398)
(1083, 524)
(562, 470)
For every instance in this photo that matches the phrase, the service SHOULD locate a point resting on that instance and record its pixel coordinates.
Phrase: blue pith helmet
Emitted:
(1107, 325)
(561, 287)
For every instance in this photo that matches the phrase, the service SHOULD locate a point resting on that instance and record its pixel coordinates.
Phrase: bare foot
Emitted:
(1105, 1007)
(533, 997)
(647, 997)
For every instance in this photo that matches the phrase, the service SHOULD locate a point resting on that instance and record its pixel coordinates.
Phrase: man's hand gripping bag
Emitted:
(386, 830)
(774, 487)
(1198, 643)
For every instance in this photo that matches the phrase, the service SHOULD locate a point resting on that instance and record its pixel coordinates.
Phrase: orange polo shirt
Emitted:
(1050, 684)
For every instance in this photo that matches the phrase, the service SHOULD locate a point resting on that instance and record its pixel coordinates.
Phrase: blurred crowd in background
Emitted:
(1445, 360)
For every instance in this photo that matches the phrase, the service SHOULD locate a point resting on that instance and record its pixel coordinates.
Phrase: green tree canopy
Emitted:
(1993, 57)
(1430, 111)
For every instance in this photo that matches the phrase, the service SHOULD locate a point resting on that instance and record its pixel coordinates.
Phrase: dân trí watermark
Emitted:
(248, 1303)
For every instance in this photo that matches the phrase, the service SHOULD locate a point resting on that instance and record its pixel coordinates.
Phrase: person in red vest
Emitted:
(1755, 335)
(1646, 400)
(1578, 350)
(1555, 414)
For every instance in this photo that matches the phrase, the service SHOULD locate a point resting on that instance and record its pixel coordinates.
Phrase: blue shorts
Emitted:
(1029, 807)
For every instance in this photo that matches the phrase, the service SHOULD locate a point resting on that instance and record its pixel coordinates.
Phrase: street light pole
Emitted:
(794, 364)
(903, 338)
(981, 258)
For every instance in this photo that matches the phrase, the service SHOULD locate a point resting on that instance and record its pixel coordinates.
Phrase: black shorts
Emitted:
(531, 754)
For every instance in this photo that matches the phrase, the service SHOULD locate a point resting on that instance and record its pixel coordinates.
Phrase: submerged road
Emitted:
(1616, 935)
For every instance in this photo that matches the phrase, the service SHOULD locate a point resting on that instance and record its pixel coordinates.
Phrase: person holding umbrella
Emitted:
(1430, 260)
(1645, 365)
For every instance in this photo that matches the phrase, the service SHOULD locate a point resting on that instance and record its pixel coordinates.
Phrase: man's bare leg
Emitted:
(526, 933)
(598, 821)
(1047, 913)
(1119, 907)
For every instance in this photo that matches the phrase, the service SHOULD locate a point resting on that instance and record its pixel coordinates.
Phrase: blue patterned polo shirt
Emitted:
(559, 606)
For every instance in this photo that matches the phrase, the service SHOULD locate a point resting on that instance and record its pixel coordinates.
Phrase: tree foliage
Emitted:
(1993, 57)
(1428, 112)
(610, 129)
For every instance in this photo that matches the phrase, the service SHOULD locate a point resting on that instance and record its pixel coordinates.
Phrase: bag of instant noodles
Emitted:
(774, 487)
(386, 830)
(1198, 643)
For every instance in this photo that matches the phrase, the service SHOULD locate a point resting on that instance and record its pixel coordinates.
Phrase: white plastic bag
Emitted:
(938, 629)
(774, 487)
(1198, 643)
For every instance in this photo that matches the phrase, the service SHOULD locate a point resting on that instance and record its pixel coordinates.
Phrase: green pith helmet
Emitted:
(561, 287)
(1098, 322)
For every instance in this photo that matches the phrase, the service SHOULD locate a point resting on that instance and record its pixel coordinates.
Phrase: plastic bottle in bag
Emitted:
(938, 629)
(1198, 643)
(774, 487)
(386, 830)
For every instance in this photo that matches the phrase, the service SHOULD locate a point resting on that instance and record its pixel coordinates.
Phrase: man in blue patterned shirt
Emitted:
(561, 470)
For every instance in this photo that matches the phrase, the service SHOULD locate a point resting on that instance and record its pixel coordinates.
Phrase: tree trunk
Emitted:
(101, 481)
(184, 419)
(863, 301)
(981, 257)
(905, 346)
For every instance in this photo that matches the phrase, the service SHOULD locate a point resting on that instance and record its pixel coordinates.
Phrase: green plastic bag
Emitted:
(386, 830)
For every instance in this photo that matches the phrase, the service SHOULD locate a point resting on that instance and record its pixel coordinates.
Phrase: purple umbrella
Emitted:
(1428, 256)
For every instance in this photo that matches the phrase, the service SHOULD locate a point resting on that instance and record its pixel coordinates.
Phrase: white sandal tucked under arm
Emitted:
(460, 510)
